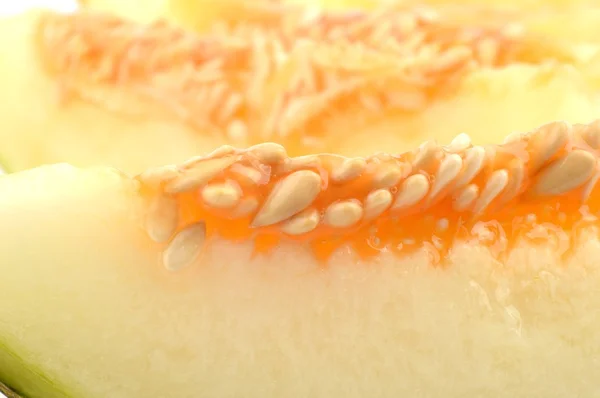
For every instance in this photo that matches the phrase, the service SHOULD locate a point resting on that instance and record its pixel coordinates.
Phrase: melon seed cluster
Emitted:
(268, 82)
(261, 189)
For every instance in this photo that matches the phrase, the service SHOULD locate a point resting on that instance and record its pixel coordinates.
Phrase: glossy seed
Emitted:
(269, 152)
(590, 133)
(449, 169)
(185, 248)
(565, 174)
(474, 159)
(302, 223)
(348, 170)
(494, 186)
(376, 203)
(412, 191)
(343, 214)
(198, 174)
(516, 171)
(298, 163)
(162, 218)
(222, 195)
(248, 174)
(546, 142)
(290, 196)
(460, 143)
(426, 154)
(464, 198)
(387, 175)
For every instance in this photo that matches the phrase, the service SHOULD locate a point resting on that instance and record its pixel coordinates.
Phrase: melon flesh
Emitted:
(88, 312)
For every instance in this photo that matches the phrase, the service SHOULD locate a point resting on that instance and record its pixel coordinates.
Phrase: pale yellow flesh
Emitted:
(488, 105)
(135, 10)
(89, 307)
(565, 19)
(36, 128)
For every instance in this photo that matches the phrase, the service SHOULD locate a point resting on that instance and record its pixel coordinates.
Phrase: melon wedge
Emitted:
(446, 271)
(104, 91)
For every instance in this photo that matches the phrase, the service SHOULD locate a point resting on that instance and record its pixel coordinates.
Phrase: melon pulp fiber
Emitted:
(88, 312)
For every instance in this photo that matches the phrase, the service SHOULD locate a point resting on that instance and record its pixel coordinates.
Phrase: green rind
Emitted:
(8, 393)
(25, 380)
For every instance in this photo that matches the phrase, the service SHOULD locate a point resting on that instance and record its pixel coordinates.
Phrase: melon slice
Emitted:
(103, 91)
(448, 271)
(576, 18)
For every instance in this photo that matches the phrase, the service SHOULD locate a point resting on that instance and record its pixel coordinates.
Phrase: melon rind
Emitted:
(6, 392)
(25, 379)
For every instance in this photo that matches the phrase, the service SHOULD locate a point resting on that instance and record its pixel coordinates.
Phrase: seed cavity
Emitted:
(221, 196)
(302, 223)
(291, 195)
(376, 203)
(565, 174)
(412, 191)
(162, 218)
(474, 178)
(246, 206)
(343, 214)
(185, 248)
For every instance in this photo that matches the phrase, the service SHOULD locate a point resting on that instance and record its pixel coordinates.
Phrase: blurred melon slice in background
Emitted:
(94, 89)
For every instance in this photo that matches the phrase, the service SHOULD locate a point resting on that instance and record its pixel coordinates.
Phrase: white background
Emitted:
(8, 7)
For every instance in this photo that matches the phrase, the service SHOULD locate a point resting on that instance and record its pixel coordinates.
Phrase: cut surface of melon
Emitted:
(91, 312)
